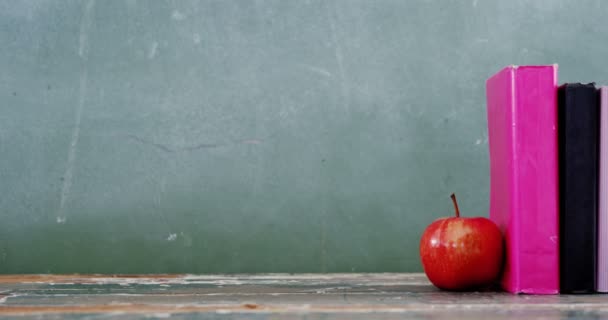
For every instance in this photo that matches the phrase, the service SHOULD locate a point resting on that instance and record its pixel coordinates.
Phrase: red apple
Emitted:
(461, 253)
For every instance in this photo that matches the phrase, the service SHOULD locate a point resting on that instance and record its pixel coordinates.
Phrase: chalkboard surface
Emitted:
(256, 136)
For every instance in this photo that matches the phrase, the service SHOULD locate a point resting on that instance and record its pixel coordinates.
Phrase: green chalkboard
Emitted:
(256, 136)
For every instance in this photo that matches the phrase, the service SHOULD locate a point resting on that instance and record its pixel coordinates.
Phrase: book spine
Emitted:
(536, 179)
(602, 265)
(522, 124)
(579, 135)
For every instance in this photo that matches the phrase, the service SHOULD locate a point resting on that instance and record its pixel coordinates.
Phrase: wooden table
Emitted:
(274, 296)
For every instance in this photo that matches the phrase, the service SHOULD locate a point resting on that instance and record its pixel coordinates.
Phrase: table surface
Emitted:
(274, 296)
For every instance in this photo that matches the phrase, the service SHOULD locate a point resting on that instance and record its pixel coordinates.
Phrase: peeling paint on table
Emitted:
(274, 296)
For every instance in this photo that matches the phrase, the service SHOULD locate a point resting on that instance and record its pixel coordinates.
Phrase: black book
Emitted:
(578, 126)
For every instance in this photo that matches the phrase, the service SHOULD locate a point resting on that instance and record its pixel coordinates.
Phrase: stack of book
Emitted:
(549, 180)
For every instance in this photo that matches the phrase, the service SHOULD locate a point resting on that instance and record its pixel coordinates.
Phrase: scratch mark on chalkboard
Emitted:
(159, 146)
(152, 51)
(172, 237)
(338, 54)
(84, 28)
(171, 149)
(317, 70)
(201, 146)
(68, 175)
(83, 53)
(158, 198)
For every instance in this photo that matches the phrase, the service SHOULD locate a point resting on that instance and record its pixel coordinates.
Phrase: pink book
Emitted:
(602, 232)
(522, 125)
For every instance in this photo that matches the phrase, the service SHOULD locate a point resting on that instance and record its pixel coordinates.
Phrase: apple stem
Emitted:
(453, 196)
